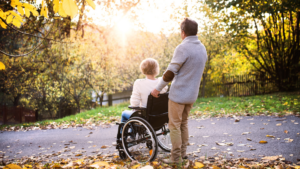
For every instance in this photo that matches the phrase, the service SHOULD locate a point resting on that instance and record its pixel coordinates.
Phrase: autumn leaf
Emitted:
(16, 23)
(70, 8)
(20, 10)
(270, 158)
(135, 166)
(56, 6)
(285, 131)
(2, 66)
(91, 3)
(270, 136)
(61, 11)
(263, 142)
(198, 165)
(27, 12)
(78, 155)
(12, 166)
(9, 19)
(3, 25)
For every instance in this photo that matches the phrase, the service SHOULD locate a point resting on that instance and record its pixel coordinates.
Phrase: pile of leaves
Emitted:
(113, 162)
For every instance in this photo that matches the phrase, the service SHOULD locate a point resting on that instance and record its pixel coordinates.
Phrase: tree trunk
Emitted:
(16, 100)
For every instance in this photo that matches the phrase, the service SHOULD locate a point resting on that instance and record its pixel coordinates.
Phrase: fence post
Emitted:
(110, 101)
(4, 115)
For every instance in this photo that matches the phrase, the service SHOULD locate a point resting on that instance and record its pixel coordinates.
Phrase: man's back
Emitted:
(191, 58)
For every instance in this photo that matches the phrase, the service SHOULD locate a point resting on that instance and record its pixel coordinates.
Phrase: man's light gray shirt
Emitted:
(187, 64)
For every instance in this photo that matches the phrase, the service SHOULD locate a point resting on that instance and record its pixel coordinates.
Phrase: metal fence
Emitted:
(241, 85)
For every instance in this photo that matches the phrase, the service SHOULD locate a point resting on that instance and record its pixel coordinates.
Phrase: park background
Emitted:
(59, 64)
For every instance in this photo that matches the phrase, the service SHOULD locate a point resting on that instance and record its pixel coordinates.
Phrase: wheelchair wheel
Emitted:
(163, 138)
(139, 140)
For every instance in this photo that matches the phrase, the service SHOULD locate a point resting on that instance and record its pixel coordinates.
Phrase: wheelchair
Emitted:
(147, 129)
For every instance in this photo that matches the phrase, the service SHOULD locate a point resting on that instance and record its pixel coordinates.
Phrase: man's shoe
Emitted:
(169, 161)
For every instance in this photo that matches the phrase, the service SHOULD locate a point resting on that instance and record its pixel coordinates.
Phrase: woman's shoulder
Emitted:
(139, 81)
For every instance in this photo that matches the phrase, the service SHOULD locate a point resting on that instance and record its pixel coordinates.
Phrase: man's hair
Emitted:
(149, 66)
(189, 27)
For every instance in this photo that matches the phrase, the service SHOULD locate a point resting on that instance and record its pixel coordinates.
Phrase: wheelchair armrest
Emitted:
(118, 123)
(137, 108)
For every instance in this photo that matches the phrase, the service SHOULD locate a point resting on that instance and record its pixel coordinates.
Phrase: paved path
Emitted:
(66, 143)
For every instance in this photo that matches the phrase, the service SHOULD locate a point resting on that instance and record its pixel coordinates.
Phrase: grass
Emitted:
(279, 103)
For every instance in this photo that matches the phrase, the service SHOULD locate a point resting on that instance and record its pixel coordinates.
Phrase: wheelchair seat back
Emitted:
(157, 110)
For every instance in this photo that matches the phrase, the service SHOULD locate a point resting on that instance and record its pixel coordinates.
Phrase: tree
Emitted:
(267, 33)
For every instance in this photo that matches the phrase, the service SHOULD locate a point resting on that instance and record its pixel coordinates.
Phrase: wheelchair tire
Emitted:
(143, 145)
(122, 155)
(164, 140)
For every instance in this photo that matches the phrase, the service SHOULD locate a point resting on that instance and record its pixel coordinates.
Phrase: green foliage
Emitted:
(266, 33)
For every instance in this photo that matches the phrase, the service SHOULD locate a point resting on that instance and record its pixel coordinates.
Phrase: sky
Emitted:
(151, 15)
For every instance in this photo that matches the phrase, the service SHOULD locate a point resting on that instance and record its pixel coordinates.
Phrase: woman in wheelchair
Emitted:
(134, 129)
(143, 87)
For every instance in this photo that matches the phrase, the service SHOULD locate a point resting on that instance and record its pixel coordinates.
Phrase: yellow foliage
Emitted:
(61, 11)
(9, 19)
(135, 166)
(70, 8)
(100, 164)
(12, 166)
(56, 6)
(198, 165)
(20, 10)
(2, 24)
(27, 12)
(17, 23)
(91, 3)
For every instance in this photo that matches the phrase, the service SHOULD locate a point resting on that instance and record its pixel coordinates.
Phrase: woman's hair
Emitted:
(149, 66)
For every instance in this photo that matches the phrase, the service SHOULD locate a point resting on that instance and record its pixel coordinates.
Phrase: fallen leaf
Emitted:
(270, 158)
(240, 151)
(12, 166)
(279, 124)
(263, 142)
(135, 166)
(285, 131)
(78, 155)
(198, 165)
(100, 164)
(249, 139)
(270, 136)
(244, 133)
(104, 146)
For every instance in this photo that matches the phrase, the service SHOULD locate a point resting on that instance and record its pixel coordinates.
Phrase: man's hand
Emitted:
(155, 93)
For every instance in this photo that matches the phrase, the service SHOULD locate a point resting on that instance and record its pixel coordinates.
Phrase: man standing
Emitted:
(185, 70)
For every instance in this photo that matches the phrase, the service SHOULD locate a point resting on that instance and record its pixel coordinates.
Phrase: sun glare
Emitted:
(124, 26)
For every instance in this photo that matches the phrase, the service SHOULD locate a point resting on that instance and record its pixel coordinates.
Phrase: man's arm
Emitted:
(177, 61)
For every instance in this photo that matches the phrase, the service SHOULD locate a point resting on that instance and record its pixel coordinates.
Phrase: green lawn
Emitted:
(279, 103)
(271, 104)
